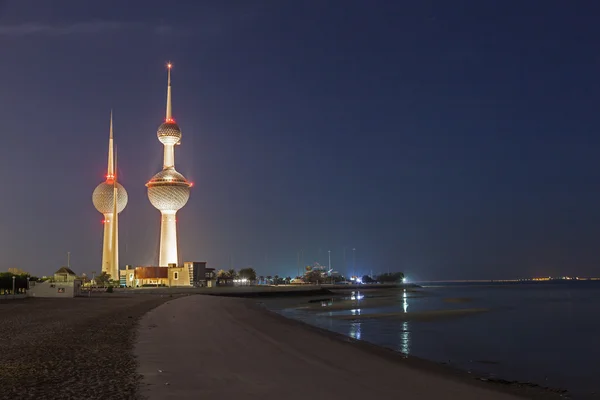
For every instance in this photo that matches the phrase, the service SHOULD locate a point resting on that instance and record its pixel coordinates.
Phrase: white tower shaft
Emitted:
(168, 239)
(168, 225)
(110, 198)
(110, 247)
(115, 228)
(107, 253)
(169, 156)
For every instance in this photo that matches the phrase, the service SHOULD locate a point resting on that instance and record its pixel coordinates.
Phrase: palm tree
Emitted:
(269, 277)
(103, 279)
(261, 279)
(222, 274)
(232, 273)
(277, 279)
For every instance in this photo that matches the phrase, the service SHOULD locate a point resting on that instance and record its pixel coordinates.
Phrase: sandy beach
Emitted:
(196, 346)
(215, 347)
(78, 348)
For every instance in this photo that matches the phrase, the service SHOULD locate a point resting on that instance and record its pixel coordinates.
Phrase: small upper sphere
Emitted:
(103, 197)
(169, 133)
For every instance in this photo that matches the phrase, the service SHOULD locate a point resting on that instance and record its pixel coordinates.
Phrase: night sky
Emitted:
(445, 139)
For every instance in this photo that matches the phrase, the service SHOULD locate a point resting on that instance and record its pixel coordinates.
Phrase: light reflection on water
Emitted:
(355, 330)
(357, 296)
(545, 334)
(405, 338)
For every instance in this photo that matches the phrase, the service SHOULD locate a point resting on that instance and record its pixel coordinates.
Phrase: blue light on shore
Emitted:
(356, 296)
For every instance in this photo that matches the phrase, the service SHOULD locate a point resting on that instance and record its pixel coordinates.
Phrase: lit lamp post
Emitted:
(329, 253)
(354, 261)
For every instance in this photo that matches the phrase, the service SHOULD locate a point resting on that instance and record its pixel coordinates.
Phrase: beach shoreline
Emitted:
(524, 389)
(243, 330)
(81, 342)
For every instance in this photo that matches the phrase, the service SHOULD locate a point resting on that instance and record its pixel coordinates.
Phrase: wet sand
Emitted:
(225, 348)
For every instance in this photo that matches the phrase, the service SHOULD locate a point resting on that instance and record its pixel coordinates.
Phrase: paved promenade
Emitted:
(205, 347)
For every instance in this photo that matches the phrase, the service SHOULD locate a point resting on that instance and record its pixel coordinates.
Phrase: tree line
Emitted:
(389, 277)
(6, 281)
(244, 273)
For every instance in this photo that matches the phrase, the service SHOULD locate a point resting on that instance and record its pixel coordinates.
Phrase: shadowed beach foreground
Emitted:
(78, 348)
(226, 348)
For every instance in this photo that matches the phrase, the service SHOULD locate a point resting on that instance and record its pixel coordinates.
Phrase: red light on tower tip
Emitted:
(169, 65)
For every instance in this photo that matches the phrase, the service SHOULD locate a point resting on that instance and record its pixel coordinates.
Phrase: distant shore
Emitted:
(262, 290)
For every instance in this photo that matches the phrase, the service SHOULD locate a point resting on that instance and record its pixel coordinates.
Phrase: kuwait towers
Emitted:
(168, 190)
(103, 201)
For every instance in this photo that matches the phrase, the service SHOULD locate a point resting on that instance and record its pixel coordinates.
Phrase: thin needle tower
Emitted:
(103, 201)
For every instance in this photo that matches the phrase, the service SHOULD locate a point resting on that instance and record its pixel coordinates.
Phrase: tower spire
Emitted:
(169, 110)
(114, 271)
(111, 164)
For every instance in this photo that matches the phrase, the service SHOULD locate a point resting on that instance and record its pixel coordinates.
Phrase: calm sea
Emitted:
(544, 333)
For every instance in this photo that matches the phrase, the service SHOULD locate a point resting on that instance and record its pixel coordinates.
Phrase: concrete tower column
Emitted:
(107, 254)
(169, 159)
(168, 238)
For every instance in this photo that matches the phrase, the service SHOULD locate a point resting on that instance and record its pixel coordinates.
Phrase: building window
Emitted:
(176, 275)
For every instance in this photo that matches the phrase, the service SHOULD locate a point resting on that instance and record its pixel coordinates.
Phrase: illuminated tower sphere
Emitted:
(103, 201)
(168, 190)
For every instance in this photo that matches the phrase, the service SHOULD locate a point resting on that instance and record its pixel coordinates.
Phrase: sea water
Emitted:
(544, 333)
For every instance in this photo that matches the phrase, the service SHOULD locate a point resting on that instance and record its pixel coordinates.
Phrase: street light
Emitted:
(354, 261)
(13, 291)
(329, 254)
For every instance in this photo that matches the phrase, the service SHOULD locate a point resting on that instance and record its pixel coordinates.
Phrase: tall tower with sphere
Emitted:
(103, 201)
(168, 190)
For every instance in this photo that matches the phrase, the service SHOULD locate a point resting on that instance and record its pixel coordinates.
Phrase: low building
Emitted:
(65, 274)
(171, 276)
(202, 276)
(64, 283)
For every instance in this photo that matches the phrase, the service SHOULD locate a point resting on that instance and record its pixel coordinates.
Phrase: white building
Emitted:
(64, 283)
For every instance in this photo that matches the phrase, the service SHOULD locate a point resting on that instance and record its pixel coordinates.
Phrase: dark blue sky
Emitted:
(446, 139)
